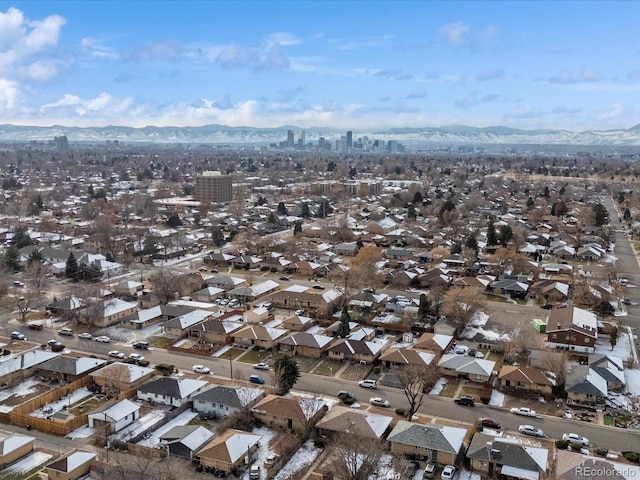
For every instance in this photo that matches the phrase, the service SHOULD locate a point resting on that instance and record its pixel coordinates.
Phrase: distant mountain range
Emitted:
(411, 137)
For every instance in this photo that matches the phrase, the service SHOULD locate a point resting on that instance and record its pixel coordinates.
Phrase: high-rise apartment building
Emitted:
(213, 187)
(349, 141)
(290, 138)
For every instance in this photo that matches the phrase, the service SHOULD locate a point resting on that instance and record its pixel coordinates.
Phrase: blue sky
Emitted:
(355, 65)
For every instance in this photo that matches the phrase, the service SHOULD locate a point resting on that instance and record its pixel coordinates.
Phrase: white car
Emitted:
(299, 312)
(136, 356)
(201, 369)
(524, 411)
(261, 366)
(18, 336)
(116, 354)
(575, 439)
(379, 402)
(531, 430)
(368, 384)
(448, 473)
(85, 336)
(102, 339)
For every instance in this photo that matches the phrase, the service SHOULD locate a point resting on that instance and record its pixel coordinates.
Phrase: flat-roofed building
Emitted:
(213, 187)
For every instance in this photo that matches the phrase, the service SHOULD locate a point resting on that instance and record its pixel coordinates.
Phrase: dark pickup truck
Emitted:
(466, 401)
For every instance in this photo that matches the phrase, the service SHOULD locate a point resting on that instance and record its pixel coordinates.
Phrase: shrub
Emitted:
(401, 412)
(165, 369)
(601, 451)
(320, 442)
(633, 457)
(57, 348)
(348, 400)
(562, 444)
(143, 363)
(376, 370)
(6, 352)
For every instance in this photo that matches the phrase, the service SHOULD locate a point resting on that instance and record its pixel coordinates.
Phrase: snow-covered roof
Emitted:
(13, 443)
(116, 305)
(117, 411)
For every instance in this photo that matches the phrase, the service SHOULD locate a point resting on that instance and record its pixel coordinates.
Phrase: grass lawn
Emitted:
(87, 406)
(306, 364)
(232, 353)
(252, 356)
(355, 372)
(497, 298)
(495, 357)
(608, 420)
(159, 342)
(471, 392)
(449, 389)
(328, 368)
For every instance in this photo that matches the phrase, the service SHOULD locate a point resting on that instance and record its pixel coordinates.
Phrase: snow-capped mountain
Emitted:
(221, 134)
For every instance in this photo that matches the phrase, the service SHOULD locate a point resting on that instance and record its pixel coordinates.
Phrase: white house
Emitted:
(171, 391)
(117, 416)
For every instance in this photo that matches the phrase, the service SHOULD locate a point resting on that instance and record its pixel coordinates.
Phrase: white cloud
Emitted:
(266, 57)
(567, 77)
(9, 95)
(66, 100)
(170, 50)
(455, 33)
(41, 71)
(95, 48)
(615, 111)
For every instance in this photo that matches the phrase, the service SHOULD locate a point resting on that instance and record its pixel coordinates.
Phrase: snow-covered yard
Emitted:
(53, 407)
(128, 335)
(263, 451)
(143, 424)
(154, 438)
(28, 463)
(437, 388)
(497, 398)
(304, 457)
(25, 388)
(82, 432)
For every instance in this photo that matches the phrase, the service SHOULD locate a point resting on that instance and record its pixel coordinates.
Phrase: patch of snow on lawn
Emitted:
(467, 475)
(489, 335)
(82, 432)
(479, 319)
(122, 334)
(221, 352)
(305, 456)
(53, 407)
(28, 463)
(621, 350)
(632, 377)
(437, 388)
(497, 398)
(22, 390)
(528, 441)
(182, 419)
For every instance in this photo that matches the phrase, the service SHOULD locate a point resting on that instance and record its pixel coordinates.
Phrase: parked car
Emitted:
(256, 379)
(575, 439)
(379, 402)
(299, 312)
(411, 469)
(102, 339)
(18, 283)
(85, 336)
(141, 345)
(342, 394)
(368, 383)
(531, 430)
(136, 356)
(18, 336)
(430, 470)
(284, 279)
(448, 472)
(261, 366)
(318, 287)
(466, 401)
(67, 332)
(116, 354)
(490, 422)
(254, 472)
(53, 342)
(35, 326)
(524, 411)
(201, 369)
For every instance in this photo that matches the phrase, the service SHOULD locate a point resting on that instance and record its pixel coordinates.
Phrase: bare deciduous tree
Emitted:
(356, 458)
(460, 304)
(556, 363)
(166, 283)
(416, 381)
(143, 466)
(35, 275)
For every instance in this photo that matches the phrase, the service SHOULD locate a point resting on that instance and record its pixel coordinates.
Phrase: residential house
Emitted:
(439, 443)
(68, 369)
(257, 315)
(610, 368)
(251, 293)
(120, 376)
(305, 344)
(349, 249)
(226, 401)
(297, 323)
(463, 366)
(446, 327)
(259, 335)
(226, 282)
(184, 440)
(500, 457)
(367, 300)
(436, 343)
(397, 256)
(67, 308)
(218, 331)
(572, 329)
(71, 466)
(219, 259)
(550, 290)
(349, 421)
(584, 385)
(311, 269)
(276, 263)
(246, 262)
(317, 303)
(515, 286)
(355, 350)
(21, 366)
(171, 391)
(114, 310)
(525, 378)
(182, 324)
(128, 288)
(574, 466)
(208, 294)
(14, 447)
(228, 451)
(293, 413)
(115, 417)
(399, 357)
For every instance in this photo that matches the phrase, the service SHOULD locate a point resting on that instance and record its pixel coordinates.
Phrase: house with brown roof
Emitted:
(297, 323)
(71, 466)
(524, 378)
(218, 331)
(293, 413)
(573, 329)
(360, 423)
(259, 335)
(311, 269)
(305, 344)
(436, 343)
(317, 303)
(356, 350)
(399, 357)
(228, 452)
(120, 376)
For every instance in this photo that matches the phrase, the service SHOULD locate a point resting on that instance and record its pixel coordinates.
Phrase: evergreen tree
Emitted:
(472, 243)
(492, 238)
(285, 374)
(306, 213)
(601, 215)
(10, 259)
(21, 238)
(506, 234)
(71, 268)
(411, 212)
(282, 209)
(325, 209)
(417, 198)
(217, 236)
(297, 228)
(343, 328)
(424, 307)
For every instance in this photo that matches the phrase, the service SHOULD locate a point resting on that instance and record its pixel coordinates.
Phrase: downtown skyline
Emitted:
(351, 65)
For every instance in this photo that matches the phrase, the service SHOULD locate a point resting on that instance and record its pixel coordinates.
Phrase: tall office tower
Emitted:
(61, 143)
(290, 138)
(321, 143)
(302, 137)
(349, 141)
(213, 187)
(343, 144)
